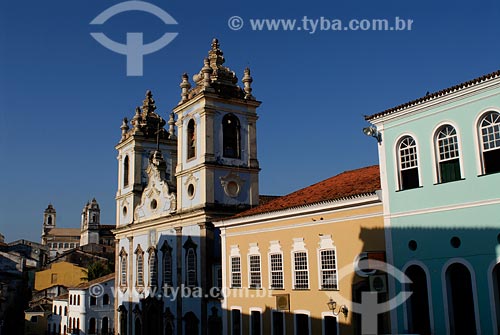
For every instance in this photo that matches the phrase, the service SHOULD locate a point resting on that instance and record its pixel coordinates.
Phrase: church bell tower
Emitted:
(217, 164)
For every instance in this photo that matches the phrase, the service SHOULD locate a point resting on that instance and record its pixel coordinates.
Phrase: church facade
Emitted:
(172, 185)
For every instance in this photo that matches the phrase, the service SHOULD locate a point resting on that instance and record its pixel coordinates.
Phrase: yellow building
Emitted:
(284, 261)
(62, 273)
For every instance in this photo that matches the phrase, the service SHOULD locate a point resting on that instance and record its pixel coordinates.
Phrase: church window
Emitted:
(231, 136)
(125, 171)
(167, 265)
(140, 266)
(49, 220)
(191, 139)
(123, 268)
(191, 267)
(153, 268)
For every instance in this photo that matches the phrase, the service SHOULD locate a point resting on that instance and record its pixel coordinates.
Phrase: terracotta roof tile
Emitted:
(95, 281)
(438, 94)
(347, 184)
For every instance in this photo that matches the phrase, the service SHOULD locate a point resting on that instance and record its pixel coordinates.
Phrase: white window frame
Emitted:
(323, 315)
(272, 320)
(481, 143)
(254, 272)
(321, 270)
(123, 268)
(299, 246)
(398, 160)
(271, 271)
(233, 272)
(139, 257)
(437, 152)
(153, 268)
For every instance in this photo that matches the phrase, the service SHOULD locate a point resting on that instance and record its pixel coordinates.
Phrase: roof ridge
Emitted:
(437, 94)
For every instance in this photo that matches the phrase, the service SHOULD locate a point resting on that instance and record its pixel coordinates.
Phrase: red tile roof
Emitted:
(434, 95)
(95, 281)
(345, 185)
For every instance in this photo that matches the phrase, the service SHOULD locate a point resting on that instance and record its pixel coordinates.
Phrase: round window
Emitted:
(455, 242)
(412, 245)
(124, 210)
(153, 204)
(232, 189)
(190, 190)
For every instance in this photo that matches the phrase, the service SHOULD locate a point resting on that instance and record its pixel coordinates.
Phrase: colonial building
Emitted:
(286, 262)
(171, 187)
(440, 158)
(87, 309)
(91, 231)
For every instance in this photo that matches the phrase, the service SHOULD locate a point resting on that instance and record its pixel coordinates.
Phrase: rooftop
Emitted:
(102, 279)
(432, 96)
(346, 185)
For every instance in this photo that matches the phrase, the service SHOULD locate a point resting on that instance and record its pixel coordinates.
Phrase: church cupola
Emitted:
(90, 223)
(216, 148)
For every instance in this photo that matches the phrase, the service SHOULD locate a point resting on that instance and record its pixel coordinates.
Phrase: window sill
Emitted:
(329, 289)
(301, 289)
(408, 189)
(488, 174)
(447, 182)
(255, 288)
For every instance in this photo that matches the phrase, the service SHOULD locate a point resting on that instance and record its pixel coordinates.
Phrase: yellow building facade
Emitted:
(62, 273)
(284, 261)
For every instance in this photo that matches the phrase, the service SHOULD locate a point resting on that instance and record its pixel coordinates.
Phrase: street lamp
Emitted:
(373, 132)
(332, 305)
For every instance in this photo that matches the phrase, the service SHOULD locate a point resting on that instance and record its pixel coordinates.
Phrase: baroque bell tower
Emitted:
(217, 162)
(138, 144)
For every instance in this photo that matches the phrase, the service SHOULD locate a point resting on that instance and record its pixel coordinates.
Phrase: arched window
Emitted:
(123, 320)
(448, 154)
(231, 136)
(191, 139)
(153, 268)
(78, 300)
(105, 299)
(65, 310)
(92, 328)
(125, 171)
(49, 220)
(60, 310)
(55, 310)
(417, 306)
(191, 267)
(408, 163)
(71, 299)
(105, 326)
(461, 308)
(123, 268)
(489, 130)
(140, 266)
(167, 265)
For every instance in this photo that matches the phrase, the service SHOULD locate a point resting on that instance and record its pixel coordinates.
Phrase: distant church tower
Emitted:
(49, 222)
(90, 224)
(217, 147)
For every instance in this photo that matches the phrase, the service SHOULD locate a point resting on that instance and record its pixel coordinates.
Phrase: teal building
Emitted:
(440, 173)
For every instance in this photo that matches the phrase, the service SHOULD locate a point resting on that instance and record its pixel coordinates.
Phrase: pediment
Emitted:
(157, 200)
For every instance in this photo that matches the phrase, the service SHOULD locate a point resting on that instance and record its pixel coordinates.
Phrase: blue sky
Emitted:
(63, 95)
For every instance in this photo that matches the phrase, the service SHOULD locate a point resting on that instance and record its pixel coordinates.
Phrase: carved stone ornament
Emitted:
(232, 184)
(156, 199)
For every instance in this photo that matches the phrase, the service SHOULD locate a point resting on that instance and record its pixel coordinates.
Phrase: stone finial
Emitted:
(171, 123)
(148, 104)
(215, 55)
(247, 82)
(206, 71)
(185, 86)
(124, 127)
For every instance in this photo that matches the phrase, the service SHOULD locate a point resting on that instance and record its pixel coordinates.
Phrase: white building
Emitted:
(170, 189)
(87, 309)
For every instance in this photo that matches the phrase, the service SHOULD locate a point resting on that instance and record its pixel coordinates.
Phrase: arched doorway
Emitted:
(417, 306)
(105, 326)
(138, 326)
(461, 309)
(92, 329)
(496, 293)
